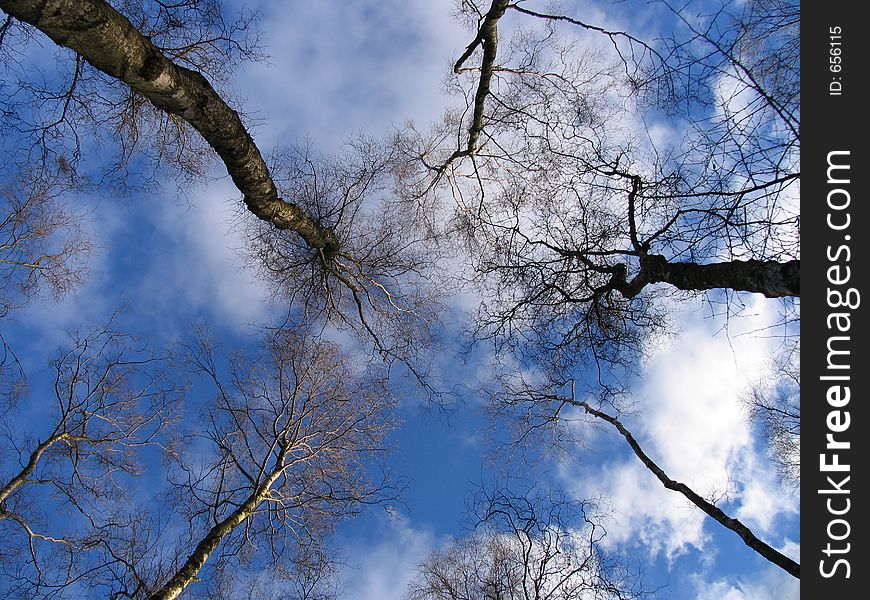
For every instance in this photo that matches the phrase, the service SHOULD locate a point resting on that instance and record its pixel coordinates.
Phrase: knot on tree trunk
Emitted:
(653, 267)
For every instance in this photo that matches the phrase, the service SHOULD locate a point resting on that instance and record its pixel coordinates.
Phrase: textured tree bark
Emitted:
(28, 469)
(188, 572)
(771, 554)
(109, 42)
(769, 277)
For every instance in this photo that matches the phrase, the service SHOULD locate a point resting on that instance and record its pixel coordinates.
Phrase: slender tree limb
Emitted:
(14, 483)
(613, 35)
(487, 36)
(751, 540)
(33, 535)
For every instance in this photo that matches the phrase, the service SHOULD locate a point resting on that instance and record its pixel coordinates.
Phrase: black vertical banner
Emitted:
(835, 344)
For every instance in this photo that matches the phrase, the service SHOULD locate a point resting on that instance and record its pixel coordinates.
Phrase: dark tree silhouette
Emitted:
(538, 406)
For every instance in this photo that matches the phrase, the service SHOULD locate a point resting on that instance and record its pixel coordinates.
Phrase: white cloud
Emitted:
(344, 67)
(761, 498)
(690, 402)
(170, 263)
(690, 421)
(641, 511)
(203, 270)
(769, 584)
(381, 569)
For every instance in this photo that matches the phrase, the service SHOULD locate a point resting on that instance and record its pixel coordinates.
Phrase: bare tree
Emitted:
(291, 488)
(111, 400)
(383, 279)
(775, 408)
(334, 240)
(281, 455)
(108, 41)
(44, 247)
(43, 253)
(524, 547)
(579, 208)
(571, 210)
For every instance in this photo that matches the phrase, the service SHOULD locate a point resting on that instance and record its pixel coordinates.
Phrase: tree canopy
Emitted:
(515, 281)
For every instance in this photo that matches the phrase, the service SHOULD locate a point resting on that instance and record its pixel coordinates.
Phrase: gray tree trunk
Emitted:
(109, 42)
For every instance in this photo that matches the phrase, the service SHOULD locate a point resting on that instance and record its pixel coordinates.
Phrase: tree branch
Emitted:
(766, 551)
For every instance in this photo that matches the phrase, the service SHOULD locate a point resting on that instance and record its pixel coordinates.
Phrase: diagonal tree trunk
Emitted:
(188, 572)
(763, 549)
(26, 471)
(109, 42)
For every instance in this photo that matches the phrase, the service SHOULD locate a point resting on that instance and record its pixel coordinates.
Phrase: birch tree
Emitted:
(111, 400)
(591, 180)
(343, 244)
(284, 452)
(524, 546)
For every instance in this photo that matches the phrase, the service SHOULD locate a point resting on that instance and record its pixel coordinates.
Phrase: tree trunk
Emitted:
(771, 278)
(190, 569)
(109, 42)
(488, 37)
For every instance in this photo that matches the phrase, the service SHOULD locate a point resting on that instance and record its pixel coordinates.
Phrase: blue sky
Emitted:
(337, 68)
